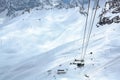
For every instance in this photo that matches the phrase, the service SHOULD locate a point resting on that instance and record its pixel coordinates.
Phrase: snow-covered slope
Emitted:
(35, 45)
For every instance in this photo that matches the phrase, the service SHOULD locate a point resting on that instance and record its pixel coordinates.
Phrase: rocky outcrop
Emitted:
(16, 5)
(110, 13)
(3, 5)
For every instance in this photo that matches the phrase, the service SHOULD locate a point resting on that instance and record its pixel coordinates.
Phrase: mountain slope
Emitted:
(35, 45)
(12, 6)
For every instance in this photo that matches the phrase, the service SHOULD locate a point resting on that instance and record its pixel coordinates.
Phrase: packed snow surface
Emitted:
(35, 45)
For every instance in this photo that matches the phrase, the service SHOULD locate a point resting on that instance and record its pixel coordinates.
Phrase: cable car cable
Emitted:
(90, 31)
(85, 30)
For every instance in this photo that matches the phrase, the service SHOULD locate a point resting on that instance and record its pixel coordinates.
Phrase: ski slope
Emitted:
(35, 45)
